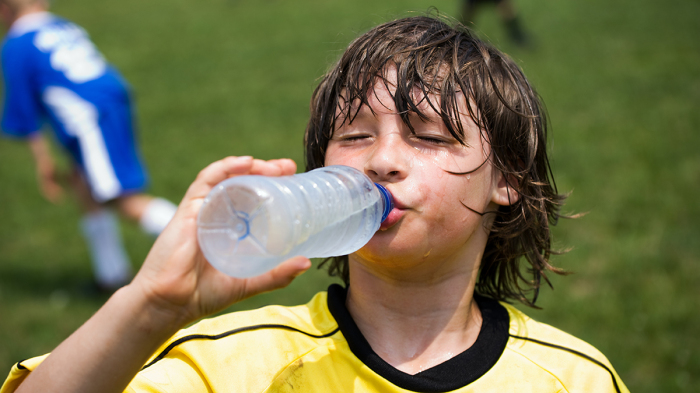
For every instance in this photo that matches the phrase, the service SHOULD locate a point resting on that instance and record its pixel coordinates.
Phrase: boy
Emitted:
(451, 127)
(53, 71)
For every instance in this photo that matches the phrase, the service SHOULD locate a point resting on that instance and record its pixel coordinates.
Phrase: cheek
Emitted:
(455, 221)
(335, 156)
(478, 193)
(441, 194)
(457, 192)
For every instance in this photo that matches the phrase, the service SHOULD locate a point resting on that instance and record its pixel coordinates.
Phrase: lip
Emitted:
(397, 203)
(394, 217)
(395, 214)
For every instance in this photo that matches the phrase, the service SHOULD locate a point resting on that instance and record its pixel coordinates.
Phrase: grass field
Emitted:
(228, 77)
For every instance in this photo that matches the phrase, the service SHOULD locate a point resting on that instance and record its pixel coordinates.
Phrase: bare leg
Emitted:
(133, 206)
(100, 228)
(512, 23)
(468, 12)
(506, 9)
(82, 192)
(152, 213)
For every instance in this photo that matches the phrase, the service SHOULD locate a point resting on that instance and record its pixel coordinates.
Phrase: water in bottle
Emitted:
(249, 224)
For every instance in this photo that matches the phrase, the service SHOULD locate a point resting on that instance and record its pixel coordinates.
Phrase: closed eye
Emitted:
(432, 140)
(350, 138)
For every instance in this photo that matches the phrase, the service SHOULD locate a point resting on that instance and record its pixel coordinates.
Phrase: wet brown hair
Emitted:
(444, 59)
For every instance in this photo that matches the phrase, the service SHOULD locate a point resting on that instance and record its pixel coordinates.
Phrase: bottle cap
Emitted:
(388, 200)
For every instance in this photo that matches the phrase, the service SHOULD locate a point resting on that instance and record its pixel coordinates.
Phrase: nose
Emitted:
(389, 159)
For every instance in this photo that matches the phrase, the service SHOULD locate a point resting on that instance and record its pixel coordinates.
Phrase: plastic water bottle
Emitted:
(249, 224)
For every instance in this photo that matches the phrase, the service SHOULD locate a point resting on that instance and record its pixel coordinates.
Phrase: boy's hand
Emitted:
(49, 184)
(46, 173)
(177, 279)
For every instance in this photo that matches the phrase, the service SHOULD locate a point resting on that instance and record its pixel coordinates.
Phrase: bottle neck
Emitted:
(387, 200)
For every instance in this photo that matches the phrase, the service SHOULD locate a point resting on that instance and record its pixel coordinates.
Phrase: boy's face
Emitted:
(430, 228)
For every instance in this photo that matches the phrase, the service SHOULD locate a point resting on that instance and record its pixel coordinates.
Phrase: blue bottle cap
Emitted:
(388, 200)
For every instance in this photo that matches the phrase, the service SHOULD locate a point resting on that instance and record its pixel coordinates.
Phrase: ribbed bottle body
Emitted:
(249, 224)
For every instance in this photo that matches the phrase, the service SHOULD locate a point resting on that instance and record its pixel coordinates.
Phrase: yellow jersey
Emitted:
(318, 348)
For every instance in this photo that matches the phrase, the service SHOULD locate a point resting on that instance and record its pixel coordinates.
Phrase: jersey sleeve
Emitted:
(19, 372)
(566, 362)
(171, 376)
(22, 107)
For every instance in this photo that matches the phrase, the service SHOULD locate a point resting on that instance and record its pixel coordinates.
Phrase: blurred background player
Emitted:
(508, 15)
(54, 73)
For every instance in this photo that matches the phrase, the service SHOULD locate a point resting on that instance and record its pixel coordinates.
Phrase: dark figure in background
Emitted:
(506, 10)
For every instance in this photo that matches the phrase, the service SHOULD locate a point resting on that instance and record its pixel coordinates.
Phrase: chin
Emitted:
(390, 256)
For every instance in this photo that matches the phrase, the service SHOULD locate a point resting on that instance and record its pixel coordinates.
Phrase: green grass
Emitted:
(621, 81)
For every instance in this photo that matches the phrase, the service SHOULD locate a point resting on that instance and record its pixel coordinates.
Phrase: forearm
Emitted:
(106, 352)
(175, 286)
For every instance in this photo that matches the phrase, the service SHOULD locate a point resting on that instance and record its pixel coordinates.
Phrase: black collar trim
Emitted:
(452, 374)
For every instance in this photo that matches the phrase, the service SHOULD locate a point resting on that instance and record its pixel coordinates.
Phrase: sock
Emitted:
(110, 262)
(157, 215)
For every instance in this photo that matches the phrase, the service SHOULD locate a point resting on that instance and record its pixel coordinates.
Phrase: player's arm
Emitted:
(46, 174)
(174, 287)
(21, 115)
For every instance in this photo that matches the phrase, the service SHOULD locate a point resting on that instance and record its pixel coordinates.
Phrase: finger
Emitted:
(234, 166)
(288, 167)
(279, 167)
(279, 277)
(217, 172)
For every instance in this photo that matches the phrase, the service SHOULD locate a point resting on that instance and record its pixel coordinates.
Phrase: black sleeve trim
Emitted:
(20, 366)
(228, 333)
(575, 352)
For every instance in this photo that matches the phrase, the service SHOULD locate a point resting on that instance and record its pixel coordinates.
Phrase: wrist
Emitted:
(150, 316)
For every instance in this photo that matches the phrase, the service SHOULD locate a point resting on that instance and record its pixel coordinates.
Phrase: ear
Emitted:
(505, 189)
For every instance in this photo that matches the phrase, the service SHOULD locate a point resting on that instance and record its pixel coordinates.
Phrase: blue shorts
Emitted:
(99, 136)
